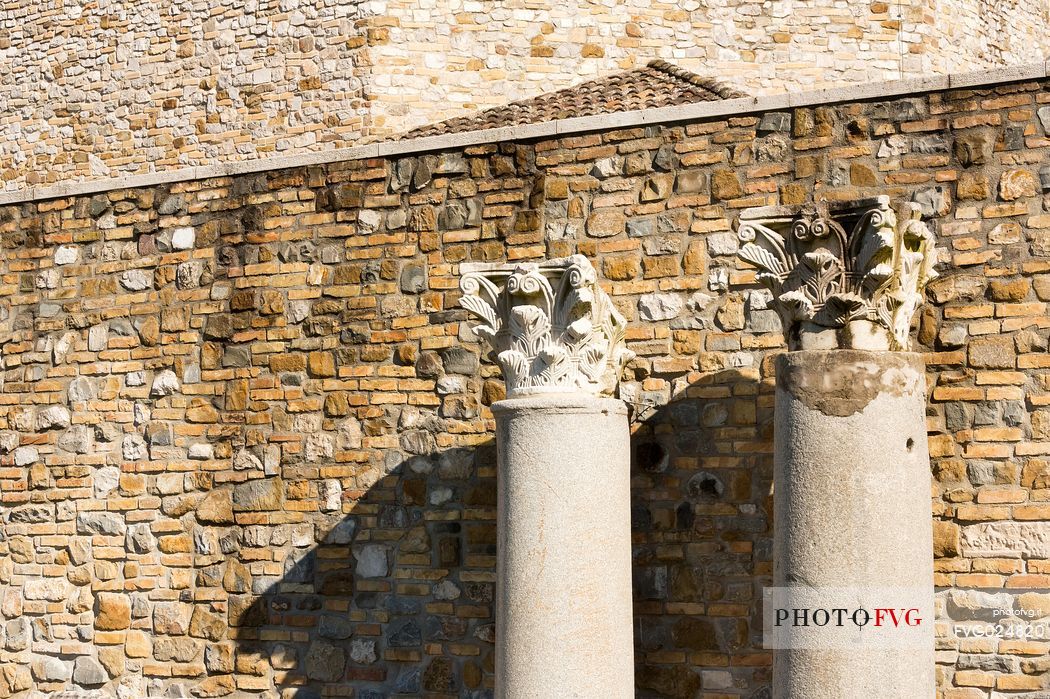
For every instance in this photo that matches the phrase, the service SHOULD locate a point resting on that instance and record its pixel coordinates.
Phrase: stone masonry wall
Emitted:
(975, 34)
(441, 58)
(106, 90)
(245, 442)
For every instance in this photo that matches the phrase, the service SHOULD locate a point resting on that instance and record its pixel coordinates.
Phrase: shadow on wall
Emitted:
(702, 515)
(397, 598)
(379, 606)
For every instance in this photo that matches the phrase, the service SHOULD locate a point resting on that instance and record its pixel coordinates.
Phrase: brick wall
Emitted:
(245, 436)
(103, 91)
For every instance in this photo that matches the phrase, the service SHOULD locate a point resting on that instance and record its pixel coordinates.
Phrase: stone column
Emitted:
(563, 585)
(852, 513)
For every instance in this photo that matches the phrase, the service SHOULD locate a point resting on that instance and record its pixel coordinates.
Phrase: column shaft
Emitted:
(563, 585)
(852, 510)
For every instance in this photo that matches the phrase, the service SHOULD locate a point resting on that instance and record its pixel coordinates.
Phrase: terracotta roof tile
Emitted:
(659, 84)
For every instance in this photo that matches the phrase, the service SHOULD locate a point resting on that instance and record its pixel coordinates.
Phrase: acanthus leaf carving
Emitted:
(549, 326)
(845, 275)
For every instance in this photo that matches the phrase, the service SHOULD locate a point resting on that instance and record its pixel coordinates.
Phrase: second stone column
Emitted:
(854, 528)
(850, 612)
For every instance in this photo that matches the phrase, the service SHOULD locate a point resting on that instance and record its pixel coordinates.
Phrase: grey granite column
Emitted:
(563, 585)
(852, 513)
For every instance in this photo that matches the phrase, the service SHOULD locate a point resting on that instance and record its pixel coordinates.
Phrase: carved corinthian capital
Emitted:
(846, 275)
(549, 325)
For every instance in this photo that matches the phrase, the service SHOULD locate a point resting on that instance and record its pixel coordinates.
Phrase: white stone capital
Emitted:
(549, 325)
(846, 275)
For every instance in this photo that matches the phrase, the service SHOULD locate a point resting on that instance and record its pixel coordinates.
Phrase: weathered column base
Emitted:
(853, 522)
(563, 585)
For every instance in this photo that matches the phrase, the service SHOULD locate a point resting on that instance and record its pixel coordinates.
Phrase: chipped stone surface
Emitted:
(657, 307)
(53, 417)
(331, 492)
(67, 255)
(106, 523)
(49, 669)
(325, 662)
(133, 447)
(78, 439)
(87, 672)
(1007, 540)
(1015, 184)
(81, 389)
(371, 561)
(165, 383)
(259, 495)
(200, 452)
(51, 589)
(363, 651)
(23, 456)
(183, 238)
(136, 280)
(841, 383)
(105, 480)
(8, 441)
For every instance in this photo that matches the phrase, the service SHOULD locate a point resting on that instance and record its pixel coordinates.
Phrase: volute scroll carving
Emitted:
(845, 275)
(549, 326)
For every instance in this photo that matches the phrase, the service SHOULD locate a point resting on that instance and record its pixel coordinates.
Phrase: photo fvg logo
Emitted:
(846, 618)
(878, 617)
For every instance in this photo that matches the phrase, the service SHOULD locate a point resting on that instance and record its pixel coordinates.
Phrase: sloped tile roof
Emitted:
(658, 84)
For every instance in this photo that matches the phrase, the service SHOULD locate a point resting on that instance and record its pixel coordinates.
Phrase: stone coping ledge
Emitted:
(561, 127)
